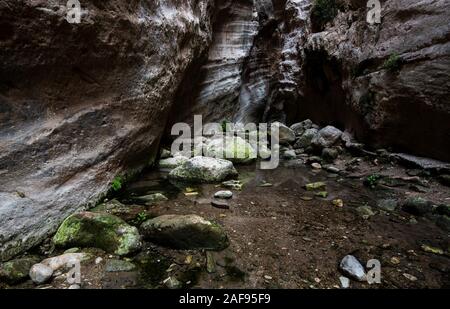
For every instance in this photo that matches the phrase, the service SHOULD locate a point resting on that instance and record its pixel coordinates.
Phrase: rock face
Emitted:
(81, 103)
(185, 232)
(98, 230)
(385, 83)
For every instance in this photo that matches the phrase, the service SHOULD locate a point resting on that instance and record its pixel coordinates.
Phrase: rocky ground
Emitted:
(290, 227)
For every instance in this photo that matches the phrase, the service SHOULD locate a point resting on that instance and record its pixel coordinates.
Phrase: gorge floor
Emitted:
(282, 236)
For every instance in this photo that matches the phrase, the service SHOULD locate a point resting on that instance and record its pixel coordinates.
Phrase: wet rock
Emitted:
(98, 230)
(287, 135)
(330, 154)
(234, 149)
(223, 194)
(17, 270)
(301, 127)
(151, 198)
(326, 137)
(220, 204)
(171, 163)
(233, 184)
(289, 155)
(315, 186)
(185, 232)
(305, 140)
(387, 204)
(424, 163)
(353, 268)
(365, 212)
(40, 273)
(119, 266)
(204, 170)
(417, 206)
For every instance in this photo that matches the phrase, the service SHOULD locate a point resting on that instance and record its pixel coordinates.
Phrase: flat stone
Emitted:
(151, 198)
(220, 204)
(223, 194)
(233, 184)
(418, 206)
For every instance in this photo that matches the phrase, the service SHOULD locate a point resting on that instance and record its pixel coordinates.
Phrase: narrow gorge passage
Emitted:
(104, 163)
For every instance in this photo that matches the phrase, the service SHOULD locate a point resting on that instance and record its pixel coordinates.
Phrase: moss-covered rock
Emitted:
(234, 149)
(99, 230)
(204, 170)
(185, 232)
(16, 271)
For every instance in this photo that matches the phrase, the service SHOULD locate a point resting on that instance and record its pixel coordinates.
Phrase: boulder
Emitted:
(418, 206)
(98, 230)
(305, 140)
(287, 135)
(234, 149)
(204, 170)
(326, 137)
(301, 127)
(171, 163)
(185, 232)
(17, 270)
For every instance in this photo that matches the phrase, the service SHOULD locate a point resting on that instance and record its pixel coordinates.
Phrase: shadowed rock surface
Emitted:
(83, 103)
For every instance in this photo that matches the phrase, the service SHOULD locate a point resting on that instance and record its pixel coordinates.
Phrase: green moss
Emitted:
(116, 184)
(98, 230)
(393, 63)
(322, 12)
(372, 180)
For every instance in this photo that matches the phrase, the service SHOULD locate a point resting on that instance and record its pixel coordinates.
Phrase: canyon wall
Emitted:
(83, 103)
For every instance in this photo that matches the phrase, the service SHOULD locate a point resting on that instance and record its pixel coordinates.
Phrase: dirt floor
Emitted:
(282, 236)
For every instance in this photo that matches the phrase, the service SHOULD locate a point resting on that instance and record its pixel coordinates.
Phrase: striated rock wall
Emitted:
(344, 80)
(82, 103)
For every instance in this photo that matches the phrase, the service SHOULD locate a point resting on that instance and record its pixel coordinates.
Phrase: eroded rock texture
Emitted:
(344, 79)
(82, 103)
